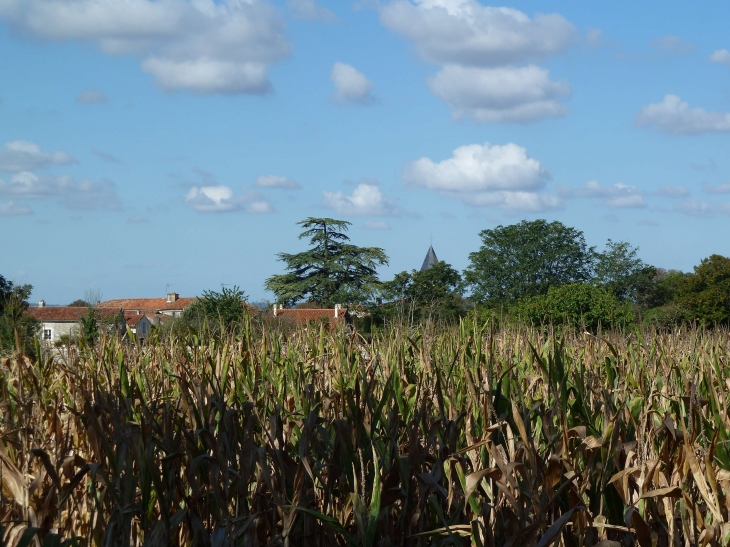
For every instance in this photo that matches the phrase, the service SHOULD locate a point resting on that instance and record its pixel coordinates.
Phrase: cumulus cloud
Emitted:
(479, 168)
(675, 116)
(673, 44)
(672, 191)
(366, 200)
(478, 47)
(82, 195)
(468, 33)
(503, 94)
(10, 209)
(309, 10)
(203, 46)
(351, 85)
(275, 181)
(723, 188)
(92, 96)
(695, 208)
(721, 57)
(27, 156)
(376, 225)
(111, 158)
(501, 176)
(619, 195)
(222, 199)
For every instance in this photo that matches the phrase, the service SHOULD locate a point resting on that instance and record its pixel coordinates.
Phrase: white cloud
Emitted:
(466, 32)
(351, 85)
(275, 181)
(503, 94)
(672, 191)
(28, 156)
(695, 208)
(619, 195)
(487, 176)
(10, 208)
(478, 47)
(479, 168)
(376, 225)
(674, 116)
(366, 200)
(92, 96)
(73, 195)
(204, 46)
(721, 57)
(222, 199)
(673, 44)
(309, 10)
(723, 188)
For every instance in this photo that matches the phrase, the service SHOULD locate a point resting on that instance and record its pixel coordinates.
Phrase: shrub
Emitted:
(580, 305)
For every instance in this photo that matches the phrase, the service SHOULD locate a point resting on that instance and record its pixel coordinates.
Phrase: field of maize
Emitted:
(466, 435)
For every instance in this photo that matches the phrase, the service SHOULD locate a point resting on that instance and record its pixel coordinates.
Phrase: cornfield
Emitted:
(467, 435)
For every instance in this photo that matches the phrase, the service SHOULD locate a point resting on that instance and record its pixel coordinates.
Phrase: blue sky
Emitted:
(146, 143)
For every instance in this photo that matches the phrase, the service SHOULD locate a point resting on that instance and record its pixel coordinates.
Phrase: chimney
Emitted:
(338, 307)
(274, 310)
(41, 304)
(172, 297)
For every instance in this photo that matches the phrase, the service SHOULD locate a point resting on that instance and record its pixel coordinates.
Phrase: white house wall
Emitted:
(58, 329)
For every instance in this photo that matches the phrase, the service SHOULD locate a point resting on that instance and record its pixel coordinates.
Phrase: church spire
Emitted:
(430, 259)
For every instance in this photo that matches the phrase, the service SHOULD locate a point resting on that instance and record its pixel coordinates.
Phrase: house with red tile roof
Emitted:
(336, 315)
(58, 321)
(140, 324)
(173, 305)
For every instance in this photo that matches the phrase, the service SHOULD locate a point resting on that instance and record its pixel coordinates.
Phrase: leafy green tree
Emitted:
(621, 272)
(579, 305)
(90, 326)
(17, 329)
(434, 292)
(79, 303)
(526, 259)
(224, 309)
(331, 270)
(706, 293)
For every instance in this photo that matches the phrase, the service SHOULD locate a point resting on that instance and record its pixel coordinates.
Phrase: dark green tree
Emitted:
(434, 292)
(79, 303)
(526, 259)
(705, 294)
(218, 309)
(331, 270)
(17, 328)
(620, 271)
(90, 326)
(578, 305)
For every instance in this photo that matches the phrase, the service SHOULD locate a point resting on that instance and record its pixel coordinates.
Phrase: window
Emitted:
(144, 327)
(46, 334)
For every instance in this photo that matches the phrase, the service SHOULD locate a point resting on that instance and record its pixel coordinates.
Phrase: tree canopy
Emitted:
(220, 309)
(331, 270)
(706, 292)
(435, 291)
(620, 271)
(526, 259)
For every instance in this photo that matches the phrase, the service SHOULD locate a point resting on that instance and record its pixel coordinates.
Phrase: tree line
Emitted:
(534, 271)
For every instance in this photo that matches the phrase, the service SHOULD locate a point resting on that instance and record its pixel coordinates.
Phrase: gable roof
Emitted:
(51, 314)
(430, 261)
(148, 303)
(133, 318)
(304, 315)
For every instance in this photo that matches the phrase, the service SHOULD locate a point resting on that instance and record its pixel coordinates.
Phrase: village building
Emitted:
(336, 316)
(63, 323)
(173, 305)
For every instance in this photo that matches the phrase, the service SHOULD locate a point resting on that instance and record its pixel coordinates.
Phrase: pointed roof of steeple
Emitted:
(430, 259)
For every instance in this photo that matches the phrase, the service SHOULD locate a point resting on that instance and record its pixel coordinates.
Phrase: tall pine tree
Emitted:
(331, 270)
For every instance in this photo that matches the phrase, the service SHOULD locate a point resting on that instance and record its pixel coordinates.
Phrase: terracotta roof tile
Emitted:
(148, 303)
(305, 315)
(67, 313)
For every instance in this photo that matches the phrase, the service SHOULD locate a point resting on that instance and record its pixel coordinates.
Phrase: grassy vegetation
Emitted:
(468, 435)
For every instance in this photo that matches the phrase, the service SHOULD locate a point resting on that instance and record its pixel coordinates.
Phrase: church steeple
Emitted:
(430, 259)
